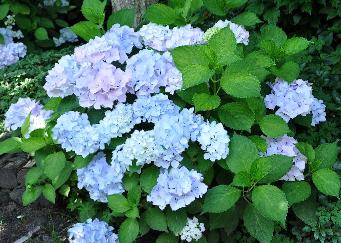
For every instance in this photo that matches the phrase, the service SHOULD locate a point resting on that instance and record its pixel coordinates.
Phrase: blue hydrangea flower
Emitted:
(92, 231)
(177, 187)
(66, 35)
(11, 53)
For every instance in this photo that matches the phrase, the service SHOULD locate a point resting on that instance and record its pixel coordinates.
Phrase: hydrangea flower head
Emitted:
(177, 187)
(285, 145)
(99, 179)
(192, 231)
(92, 231)
(11, 53)
(66, 35)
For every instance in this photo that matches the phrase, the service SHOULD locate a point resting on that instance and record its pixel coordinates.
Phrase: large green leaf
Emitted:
(189, 55)
(32, 144)
(93, 10)
(10, 145)
(327, 181)
(240, 85)
(270, 202)
(205, 102)
(216, 7)
(161, 14)
(260, 168)
(195, 74)
(220, 198)
(129, 230)
(280, 165)
(306, 211)
(41, 34)
(289, 71)
(275, 34)
(33, 175)
(296, 191)
(155, 219)
(258, 226)
(326, 155)
(54, 164)
(4, 8)
(118, 203)
(273, 126)
(148, 178)
(176, 220)
(242, 153)
(234, 3)
(295, 45)
(31, 194)
(246, 19)
(86, 30)
(122, 17)
(49, 193)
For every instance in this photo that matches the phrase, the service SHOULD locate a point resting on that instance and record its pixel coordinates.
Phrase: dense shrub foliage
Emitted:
(189, 127)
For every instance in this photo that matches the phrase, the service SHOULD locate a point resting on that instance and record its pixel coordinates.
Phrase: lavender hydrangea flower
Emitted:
(49, 3)
(294, 99)
(66, 35)
(285, 145)
(100, 179)
(92, 231)
(177, 187)
(192, 231)
(214, 140)
(162, 38)
(151, 70)
(11, 53)
(19, 111)
(241, 35)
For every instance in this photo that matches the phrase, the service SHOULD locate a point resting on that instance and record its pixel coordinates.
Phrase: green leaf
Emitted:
(176, 220)
(307, 150)
(270, 202)
(10, 145)
(134, 195)
(54, 164)
(20, 8)
(81, 162)
(61, 23)
(86, 30)
(122, 17)
(296, 191)
(246, 19)
(118, 203)
(189, 55)
(155, 219)
(327, 181)
(260, 142)
(93, 10)
(187, 95)
(53, 103)
(167, 238)
(31, 194)
(161, 14)
(26, 125)
(280, 165)
(260, 59)
(273, 126)
(289, 71)
(63, 176)
(148, 178)
(4, 8)
(223, 44)
(275, 34)
(33, 175)
(326, 155)
(195, 74)
(216, 7)
(260, 168)
(133, 212)
(306, 211)
(41, 34)
(258, 226)
(23, 22)
(68, 103)
(129, 230)
(32, 144)
(295, 45)
(234, 3)
(240, 85)
(242, 153)
(228, 220)
(248, 67)
(220, 198)
(2, 39)
(236, 115)
(49, 193)
(130, 181)
(242, 179)
(205, 102)
(46, 23)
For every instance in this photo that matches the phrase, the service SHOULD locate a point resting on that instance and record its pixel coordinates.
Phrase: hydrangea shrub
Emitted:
(171, 130)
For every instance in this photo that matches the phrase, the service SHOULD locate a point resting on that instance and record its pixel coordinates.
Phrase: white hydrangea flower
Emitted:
(192, 231)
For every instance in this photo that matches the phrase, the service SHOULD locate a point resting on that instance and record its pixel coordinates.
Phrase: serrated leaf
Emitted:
(326, 155)
(242, 179)
(234, 3)
(41, 34)
(289, 71)
(155, 219)
(129, 230)
(295, 45)
(81, 162)
(260, 168)
(134, 195)
(273, 126)
(270, 202)
(161, 14)
(63, 176)
(32, 176)
(49, 193)
(122, 17)
(118, 203)
(260, 59)
(195, 74)
(280, 165)
(220, 198)
(249, 67)
(205, 102)
(132, 212)
(54, 164)
(31, 194)
(93, 10)
(148, 178)
(10, 145)
(189, 55)
(20, 8)
(258, 226)
(296, 191)
(32, 144)
(242, 153)
(327, 181)
(166, 238)
(187, 95)
(307, 150)
(86, 30)
(236, 115)
(216, 7)
(246, 19)
(228, 220)
(306, 211)
(275, 34)
(240, 85)
(176, 220)
(260, 142)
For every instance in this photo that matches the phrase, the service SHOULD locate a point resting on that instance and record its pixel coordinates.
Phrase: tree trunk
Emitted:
(139, 5)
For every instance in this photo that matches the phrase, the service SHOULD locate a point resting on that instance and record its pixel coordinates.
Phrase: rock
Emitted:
(21, 177)
(8, 178)
(4, 197)
(16, 194)
(13, 161)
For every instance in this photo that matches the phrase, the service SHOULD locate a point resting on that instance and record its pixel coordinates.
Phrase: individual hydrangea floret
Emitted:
(294, 99)
(92, 231)
(50, 3)
(151, 70)
(285, 145)
(214, 140)
(11, 53)
(66, 35)
(162, 38)
(100, 179)
(241, 34)
(19, 111)
(192, 231)
(177, 187)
